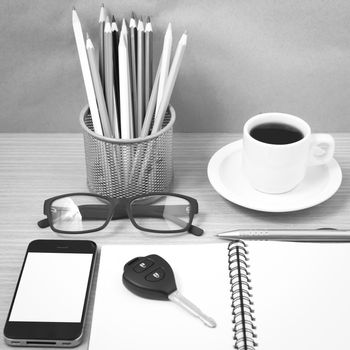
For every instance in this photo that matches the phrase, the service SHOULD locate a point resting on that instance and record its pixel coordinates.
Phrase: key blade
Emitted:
(180, 300)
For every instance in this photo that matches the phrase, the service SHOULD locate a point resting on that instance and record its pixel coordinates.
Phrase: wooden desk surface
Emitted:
(34, 167)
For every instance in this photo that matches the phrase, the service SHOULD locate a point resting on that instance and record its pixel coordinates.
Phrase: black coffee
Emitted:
(276, 133)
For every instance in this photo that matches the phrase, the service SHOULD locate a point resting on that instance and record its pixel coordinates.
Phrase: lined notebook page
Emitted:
(301, 294)
(122, 320)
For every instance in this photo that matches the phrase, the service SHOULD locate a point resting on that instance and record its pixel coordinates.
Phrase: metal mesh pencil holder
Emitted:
(120, 168)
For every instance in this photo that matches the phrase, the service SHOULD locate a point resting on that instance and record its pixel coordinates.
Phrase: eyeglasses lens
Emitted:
(79, 213)
(161, 212)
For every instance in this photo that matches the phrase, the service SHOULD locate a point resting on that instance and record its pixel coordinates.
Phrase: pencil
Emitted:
(108, 58)
(115, 37)
(84, 63)
(164, 70)
(140, 77)
(133, 58)
(169, 86)
(151, 104)
(126, 119)
(116, 132)
(98, 88)
(148, 60)
(146, 127)
(101, 22)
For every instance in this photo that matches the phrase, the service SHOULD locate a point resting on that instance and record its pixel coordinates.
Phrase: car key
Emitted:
(152, 277)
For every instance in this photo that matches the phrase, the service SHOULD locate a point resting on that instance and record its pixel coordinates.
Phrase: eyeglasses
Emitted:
(76, 213)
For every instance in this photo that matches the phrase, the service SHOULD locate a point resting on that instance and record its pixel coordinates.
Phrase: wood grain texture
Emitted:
(34, 167)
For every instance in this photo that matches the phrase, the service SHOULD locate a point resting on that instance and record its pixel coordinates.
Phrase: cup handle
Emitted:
(321, 149)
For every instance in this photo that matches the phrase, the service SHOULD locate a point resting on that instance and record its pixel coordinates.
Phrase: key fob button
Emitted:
(156, 275)
(143, 265)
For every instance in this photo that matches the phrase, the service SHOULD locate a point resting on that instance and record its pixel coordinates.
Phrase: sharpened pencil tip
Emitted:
(140, 26)
(185, 32)
(133, 15)
(114, 26)
(73, 8)
(113, 18)
(148, 19)
(102, 5)
(108, 28)
(89, 45)
(103, 14)
(140, 22)
(148, 27)
(124, 30)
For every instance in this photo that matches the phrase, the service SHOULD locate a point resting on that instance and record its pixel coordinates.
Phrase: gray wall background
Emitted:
(243, 57)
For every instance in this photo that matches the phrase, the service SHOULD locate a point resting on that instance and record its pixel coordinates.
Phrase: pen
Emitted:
(292, 235)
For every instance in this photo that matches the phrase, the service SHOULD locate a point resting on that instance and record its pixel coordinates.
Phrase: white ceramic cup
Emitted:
(278, 168)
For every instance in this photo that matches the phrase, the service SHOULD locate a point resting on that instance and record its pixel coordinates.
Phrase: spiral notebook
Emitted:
(263, 295)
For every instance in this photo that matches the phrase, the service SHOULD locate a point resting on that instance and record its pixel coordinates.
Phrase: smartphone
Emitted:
(50, 302)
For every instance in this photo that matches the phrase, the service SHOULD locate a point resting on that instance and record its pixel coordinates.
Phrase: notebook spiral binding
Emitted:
(242, 311)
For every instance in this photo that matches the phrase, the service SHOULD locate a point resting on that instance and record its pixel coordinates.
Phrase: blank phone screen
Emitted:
(52, 288)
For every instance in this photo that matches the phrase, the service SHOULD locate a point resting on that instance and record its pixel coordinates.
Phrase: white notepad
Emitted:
(300, 293)
(124, 321)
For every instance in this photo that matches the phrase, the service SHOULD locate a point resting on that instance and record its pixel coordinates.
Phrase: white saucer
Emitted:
(227, 177)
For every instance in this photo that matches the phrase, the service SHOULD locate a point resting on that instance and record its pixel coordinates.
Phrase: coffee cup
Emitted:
(277, 150)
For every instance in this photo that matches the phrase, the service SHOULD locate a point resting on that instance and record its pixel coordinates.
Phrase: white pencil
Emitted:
(164, 70)
(133, 59)
(90, 92)
(169, 86)
(140, 78)
(148, 60)
(126, 120)
(151, 104)
(98, 88)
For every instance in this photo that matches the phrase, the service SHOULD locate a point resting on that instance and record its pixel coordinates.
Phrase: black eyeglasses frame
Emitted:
(124, 210)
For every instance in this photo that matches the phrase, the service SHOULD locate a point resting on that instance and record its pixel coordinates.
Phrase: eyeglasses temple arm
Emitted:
(195, 230)
(43, 223)
(158, 212)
